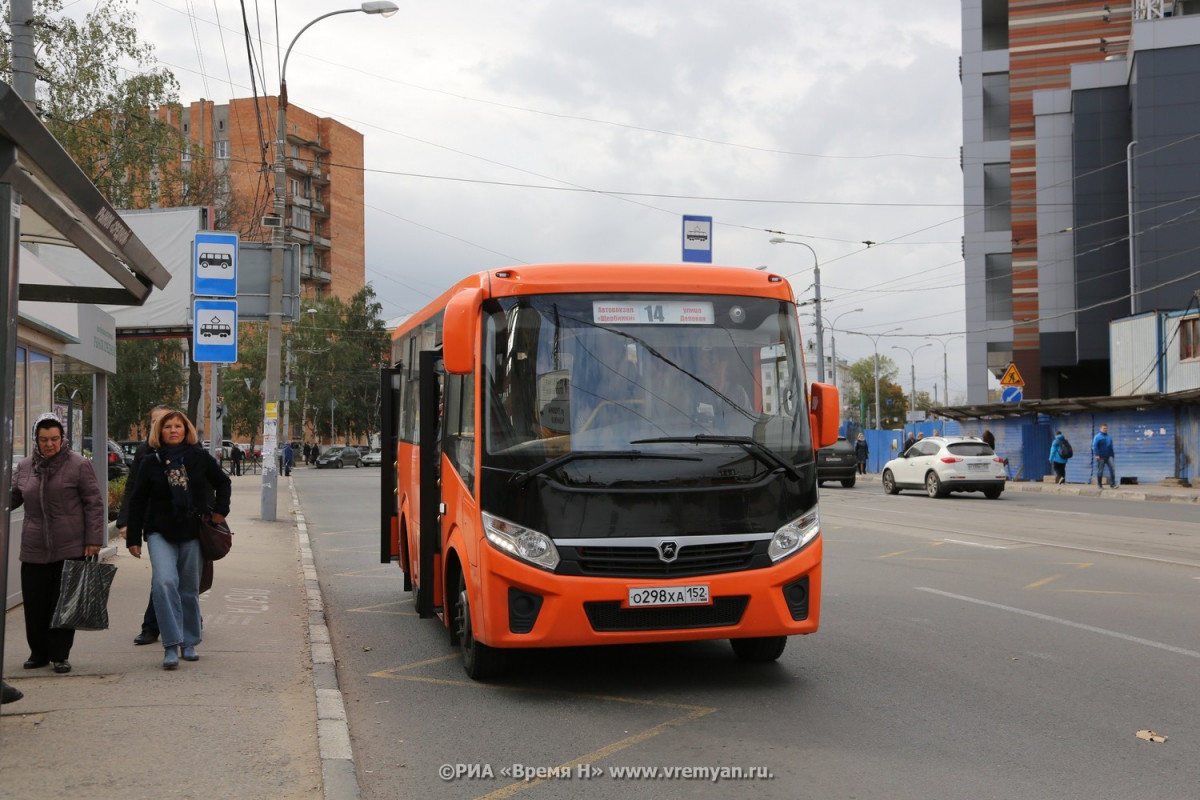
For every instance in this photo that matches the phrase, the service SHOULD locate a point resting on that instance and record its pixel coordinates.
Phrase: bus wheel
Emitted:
(479, 660)
(761, 650)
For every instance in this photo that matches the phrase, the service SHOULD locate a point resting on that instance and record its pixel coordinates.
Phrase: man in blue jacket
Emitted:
(1102, 451)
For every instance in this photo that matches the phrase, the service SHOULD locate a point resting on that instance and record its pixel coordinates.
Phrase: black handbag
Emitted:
(83, 596)
(216, 539)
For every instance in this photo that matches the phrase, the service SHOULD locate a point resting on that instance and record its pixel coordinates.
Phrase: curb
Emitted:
(339, 780)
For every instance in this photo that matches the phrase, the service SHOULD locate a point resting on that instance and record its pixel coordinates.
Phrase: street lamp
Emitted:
(816, 304)
(383, 8)
(833, 341)
(875, 337)
(945, 370)
(912, 354)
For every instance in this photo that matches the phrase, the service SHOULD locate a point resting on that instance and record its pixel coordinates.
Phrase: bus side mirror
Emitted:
(459, 328)
(823, 414)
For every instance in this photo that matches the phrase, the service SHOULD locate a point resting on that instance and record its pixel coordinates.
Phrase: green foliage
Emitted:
(149, 372)
(116, 493)
(893, 402)
(337, 352)
(98, 91)
(245, 402)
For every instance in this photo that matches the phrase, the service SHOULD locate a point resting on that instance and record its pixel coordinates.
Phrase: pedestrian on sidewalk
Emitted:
(1058, 457)
(289, 459)
(64, 518)
(149, 632)
(178, 483)
(1103, 452)
(235, 460)
(861, 453)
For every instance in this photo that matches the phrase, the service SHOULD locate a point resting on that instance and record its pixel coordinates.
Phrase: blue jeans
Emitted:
(1101, 463)
(175, 589)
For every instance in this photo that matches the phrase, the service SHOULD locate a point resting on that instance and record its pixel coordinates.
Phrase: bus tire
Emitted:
(759, 650)
(479, 660)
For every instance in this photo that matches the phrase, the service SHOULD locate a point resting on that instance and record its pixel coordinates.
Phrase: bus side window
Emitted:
(458, 420)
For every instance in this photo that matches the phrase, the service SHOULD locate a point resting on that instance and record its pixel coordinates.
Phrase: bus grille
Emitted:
(640, 562)
(609, 616)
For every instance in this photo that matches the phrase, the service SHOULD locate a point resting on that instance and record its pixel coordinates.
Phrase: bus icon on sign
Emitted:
(222, 260)
(215, 328)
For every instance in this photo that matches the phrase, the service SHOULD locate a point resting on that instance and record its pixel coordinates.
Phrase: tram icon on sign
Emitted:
(215, 328)
(222, 260)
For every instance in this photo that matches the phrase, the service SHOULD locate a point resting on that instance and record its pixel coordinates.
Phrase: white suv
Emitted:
(944, 464)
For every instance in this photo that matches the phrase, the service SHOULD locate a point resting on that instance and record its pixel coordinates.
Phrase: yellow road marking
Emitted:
(373, 609)
(1043, 581)
(691, 713)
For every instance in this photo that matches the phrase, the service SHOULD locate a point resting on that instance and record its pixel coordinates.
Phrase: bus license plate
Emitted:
(644, 596)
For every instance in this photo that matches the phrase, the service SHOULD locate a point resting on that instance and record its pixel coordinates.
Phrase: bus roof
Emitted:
(607, 277)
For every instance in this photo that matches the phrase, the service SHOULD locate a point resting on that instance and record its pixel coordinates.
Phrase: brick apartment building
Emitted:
(233, 144)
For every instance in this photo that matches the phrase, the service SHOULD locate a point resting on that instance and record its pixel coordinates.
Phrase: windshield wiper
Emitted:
(756, 449)
(519, 479)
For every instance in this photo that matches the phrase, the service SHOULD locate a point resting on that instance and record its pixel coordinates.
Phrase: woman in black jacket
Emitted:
(178, 481)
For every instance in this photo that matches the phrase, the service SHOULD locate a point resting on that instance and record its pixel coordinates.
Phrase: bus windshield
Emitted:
(659, 376)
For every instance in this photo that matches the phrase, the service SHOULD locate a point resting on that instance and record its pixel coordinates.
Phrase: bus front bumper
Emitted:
(523, 606)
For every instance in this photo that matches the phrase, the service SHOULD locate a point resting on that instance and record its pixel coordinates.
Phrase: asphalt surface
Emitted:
(259, 715)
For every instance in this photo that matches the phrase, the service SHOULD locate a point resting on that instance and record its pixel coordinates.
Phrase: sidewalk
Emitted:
(1152, 493)
(240, 722)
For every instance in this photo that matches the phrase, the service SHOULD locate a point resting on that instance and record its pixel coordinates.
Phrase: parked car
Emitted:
(116, 458)
(944, 464)
(837, 463)
(373, 458)
(338, 457)
(227, 446)
(129, 448)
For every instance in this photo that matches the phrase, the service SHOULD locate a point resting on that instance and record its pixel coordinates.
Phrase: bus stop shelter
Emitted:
(46, 198)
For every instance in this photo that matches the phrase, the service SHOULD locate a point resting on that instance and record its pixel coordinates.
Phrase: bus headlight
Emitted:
(521, 542)
(791, 538)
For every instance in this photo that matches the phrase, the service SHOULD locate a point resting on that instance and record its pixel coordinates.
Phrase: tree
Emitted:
(337, 353)
(149, 372)
(99, 91)
(241, 383)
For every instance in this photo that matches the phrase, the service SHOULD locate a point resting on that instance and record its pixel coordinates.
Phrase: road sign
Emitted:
(1012, 377)
(214, 263)
(697, 239)
(214, 331)
(1011, 394)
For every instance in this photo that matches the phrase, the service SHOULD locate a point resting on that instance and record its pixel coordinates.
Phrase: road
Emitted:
(969, 649)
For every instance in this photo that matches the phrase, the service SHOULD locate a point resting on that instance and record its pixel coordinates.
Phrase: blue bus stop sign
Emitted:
(214, 331)
(214, 264)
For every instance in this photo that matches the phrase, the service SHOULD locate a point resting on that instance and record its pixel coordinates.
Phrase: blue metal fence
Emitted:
(1150, 444)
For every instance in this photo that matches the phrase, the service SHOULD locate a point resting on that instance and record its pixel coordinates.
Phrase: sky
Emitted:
(503, 133)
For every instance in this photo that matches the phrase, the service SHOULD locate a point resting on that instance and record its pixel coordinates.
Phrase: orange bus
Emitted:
(602, 453)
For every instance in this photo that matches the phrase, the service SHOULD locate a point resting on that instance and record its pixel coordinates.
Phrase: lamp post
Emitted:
(912, 354)
(833, 341)
(875, 337)
(945, 370)
(816, 304)
(275, 294)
